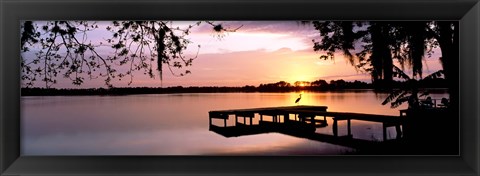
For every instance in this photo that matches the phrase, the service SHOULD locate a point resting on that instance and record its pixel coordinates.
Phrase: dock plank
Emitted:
(280, 108)
(314, 111)
(305, 127)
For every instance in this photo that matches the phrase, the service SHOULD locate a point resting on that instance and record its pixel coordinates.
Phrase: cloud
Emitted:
(284, 50)
(259, 27)
(259, 52)
(358, 76)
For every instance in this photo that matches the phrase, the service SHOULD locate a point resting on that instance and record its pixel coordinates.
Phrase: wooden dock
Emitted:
(307, 119)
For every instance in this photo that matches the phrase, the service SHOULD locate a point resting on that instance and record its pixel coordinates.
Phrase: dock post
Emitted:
(384, 132)
(236, 119)
(250, 120)
(335, 128)
(349, 127)
(209, 122)
(399, 131)
(261, 117)
(244, 120)
(225, 122)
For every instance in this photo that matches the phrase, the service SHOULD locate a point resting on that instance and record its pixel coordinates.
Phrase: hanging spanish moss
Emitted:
(160, 51)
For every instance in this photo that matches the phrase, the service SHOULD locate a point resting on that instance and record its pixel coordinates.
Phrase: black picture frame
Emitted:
(12, 11)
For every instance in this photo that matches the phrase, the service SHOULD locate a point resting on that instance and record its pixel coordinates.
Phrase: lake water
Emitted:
(177, 124)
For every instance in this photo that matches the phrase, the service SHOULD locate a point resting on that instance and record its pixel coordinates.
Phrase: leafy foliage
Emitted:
(63, 48)
(410, 89)
(381, 42)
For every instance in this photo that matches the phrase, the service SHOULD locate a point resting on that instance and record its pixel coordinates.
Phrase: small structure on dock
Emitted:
(305, 121)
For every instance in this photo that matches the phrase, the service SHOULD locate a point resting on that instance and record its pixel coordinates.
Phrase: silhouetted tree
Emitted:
(447, 35)
(320, 83)
(338, 84)
(409, 90)
(381, 42)
(63, 48)
(282, 84)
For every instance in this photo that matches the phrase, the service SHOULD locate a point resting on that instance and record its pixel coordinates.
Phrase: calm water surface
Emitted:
(177, 124)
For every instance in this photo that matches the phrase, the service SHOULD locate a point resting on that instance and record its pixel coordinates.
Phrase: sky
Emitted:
(258, 52)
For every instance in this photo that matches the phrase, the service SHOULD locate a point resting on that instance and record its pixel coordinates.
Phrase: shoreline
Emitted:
(176, 90)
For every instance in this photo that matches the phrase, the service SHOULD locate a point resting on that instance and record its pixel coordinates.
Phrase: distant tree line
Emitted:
(319, 85)
(281, 86)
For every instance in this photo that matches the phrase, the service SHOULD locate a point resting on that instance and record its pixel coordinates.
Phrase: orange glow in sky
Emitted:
(259, 52)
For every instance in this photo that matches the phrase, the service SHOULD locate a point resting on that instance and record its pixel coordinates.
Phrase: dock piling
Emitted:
(399, 131)
(384, 132)
(335, 127)
(304, 112)
(349, 127)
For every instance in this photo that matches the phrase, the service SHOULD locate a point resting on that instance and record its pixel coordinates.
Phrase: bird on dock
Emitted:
(298, 99)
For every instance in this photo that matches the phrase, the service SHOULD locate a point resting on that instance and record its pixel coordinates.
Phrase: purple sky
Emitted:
(258, 52)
